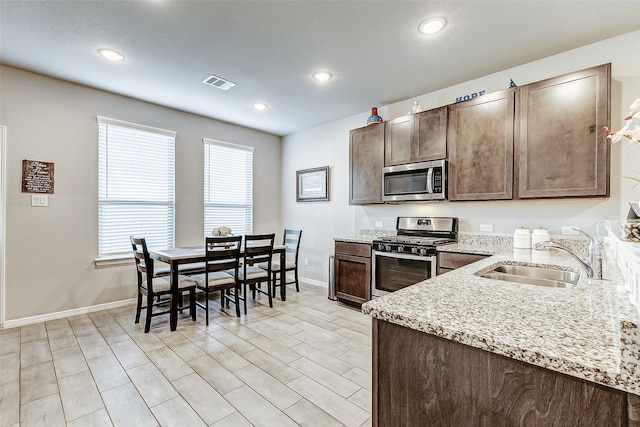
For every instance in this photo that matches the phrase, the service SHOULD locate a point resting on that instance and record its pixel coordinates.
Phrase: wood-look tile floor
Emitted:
(307, 361)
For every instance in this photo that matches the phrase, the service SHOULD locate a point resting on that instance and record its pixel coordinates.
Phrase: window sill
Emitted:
(113, 260)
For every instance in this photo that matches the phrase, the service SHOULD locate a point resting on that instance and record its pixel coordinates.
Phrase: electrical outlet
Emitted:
(569, 230)
(306, 261)
(379, 224)
(486, 227)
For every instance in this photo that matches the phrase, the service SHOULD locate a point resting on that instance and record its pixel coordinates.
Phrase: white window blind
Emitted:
(228, 187)
(136, 186)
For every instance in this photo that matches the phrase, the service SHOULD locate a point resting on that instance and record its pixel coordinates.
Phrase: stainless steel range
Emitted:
(410, 256)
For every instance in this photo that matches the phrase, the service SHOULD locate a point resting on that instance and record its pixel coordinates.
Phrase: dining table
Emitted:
(196, 254)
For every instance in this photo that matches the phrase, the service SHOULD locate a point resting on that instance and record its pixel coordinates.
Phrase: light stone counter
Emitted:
(589, 332)
(366, 236)
(355, 239)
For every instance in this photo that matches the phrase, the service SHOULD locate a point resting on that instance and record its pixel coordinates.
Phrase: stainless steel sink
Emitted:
(541, 276)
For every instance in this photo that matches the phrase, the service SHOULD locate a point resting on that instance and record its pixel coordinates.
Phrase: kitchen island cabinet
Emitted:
(561, 149)
(451, 384)
(366, 160)
(352, 271)
(417, 137)
(480, 146)
(459, 349)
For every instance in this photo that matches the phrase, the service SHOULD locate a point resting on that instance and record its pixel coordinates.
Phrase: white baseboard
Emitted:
(313, 282)
(67, 313)
(107, 306)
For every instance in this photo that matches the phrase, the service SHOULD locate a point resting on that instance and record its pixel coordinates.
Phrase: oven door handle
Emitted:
(404, 256)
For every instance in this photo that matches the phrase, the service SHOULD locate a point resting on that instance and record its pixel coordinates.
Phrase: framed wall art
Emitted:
(312, 185)
(37, 176)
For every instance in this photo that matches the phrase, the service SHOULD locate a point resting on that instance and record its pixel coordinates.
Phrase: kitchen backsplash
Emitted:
(364, 232)
(504, 241)
(497, 241)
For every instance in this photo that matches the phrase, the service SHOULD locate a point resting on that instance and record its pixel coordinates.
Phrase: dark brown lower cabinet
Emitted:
(353, 272)
(448, 261)
(423, 380)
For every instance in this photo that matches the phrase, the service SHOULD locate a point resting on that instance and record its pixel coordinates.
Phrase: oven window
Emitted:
(397, 273)
(405, 183)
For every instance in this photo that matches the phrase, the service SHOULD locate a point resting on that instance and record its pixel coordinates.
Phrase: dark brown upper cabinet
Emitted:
(416, 138)
(561, 149)
(366, 160)
(480, 145)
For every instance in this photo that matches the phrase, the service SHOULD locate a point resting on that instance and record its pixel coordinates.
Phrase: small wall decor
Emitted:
(37, 177)
(312, 185)
(470, 96)
(374, 118)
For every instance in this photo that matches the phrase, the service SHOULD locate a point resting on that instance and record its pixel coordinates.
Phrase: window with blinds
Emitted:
(228, 187)
(136, 186)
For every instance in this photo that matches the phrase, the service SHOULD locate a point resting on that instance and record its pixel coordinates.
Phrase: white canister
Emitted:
(540, 235)
(522, 238)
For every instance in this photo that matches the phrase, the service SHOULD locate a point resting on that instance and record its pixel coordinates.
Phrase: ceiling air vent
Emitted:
(218, 82)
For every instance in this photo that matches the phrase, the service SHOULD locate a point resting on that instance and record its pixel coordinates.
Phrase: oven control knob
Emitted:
(423, 251)
(387, 248)
(380, 247)
(400, 248)
(414, 250)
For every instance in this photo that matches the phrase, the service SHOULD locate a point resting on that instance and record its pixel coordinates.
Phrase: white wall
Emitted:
(50, 251)
(328, 145)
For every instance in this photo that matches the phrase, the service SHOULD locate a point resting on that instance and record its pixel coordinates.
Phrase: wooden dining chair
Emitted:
(258, 249)
(154, 288)
(290, 238)
(222, 260)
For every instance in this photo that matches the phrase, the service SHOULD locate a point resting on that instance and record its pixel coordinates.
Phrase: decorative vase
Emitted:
(374, 117)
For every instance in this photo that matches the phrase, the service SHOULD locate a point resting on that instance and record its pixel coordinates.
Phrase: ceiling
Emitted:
(271, 48)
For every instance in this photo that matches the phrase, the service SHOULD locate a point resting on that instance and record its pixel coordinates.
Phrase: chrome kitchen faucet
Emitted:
(592, 264)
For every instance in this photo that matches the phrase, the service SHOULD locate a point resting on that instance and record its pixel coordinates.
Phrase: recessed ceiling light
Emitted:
(432, 25)
(111, 55)
(259, 106)
(322, 76)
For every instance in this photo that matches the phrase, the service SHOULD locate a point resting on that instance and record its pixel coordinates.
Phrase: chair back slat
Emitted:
(144, 263)
(291, 238)
(258, 248)
(222, 253)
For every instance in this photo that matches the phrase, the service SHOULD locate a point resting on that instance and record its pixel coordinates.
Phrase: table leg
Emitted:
(283, 279)
(173, 310)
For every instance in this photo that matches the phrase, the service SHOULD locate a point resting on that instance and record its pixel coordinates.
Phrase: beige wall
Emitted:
(50, 251)
(328, 145)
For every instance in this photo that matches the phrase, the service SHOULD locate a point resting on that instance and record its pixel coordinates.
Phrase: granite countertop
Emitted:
(589, 332)
(355, 239)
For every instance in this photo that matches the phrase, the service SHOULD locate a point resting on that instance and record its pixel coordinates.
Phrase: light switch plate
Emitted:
(486, 227)
(379, 224)
(39, 200)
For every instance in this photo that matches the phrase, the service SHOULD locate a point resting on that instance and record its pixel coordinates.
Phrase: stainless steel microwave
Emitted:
(415, 182)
